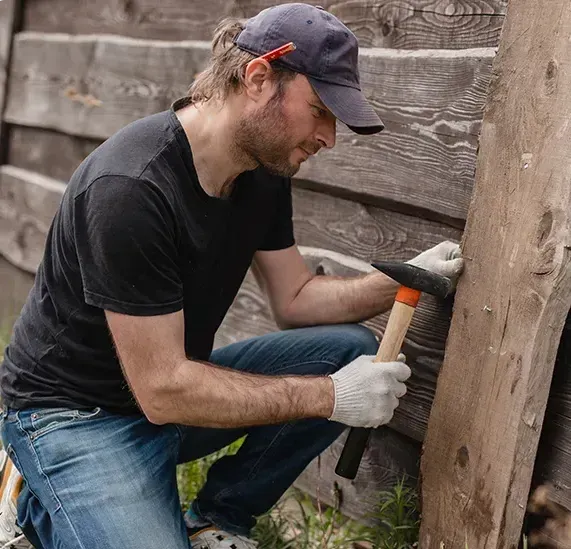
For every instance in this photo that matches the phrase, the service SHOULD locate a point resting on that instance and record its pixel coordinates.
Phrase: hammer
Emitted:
(414, 281)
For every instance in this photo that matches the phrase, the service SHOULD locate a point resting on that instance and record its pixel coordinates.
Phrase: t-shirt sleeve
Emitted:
(126, 242)
(280, 235)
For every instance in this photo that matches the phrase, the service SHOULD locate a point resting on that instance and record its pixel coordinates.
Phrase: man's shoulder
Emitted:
(127, 154)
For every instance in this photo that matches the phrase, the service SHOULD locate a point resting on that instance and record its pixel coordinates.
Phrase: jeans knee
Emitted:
(353, 340)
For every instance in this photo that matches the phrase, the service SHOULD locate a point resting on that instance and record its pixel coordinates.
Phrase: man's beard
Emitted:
(263, 136)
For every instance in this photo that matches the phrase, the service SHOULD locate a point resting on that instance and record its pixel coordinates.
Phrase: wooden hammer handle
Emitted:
(395, 332)
(397, 326)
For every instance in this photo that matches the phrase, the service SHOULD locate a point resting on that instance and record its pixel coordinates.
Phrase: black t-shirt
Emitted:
(136, 234)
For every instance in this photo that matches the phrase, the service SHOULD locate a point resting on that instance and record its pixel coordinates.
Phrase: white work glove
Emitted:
(367, 392)
(444, 259)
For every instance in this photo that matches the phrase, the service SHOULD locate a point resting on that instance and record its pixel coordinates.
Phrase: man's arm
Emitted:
(299, 298)
(169, 388)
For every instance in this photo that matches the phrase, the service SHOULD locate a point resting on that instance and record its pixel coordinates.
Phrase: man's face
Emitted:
(287, 129)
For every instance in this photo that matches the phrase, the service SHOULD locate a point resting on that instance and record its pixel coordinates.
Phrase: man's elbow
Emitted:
(289, 319)
(295, 312)
(156, 405)
(155, 412)
(156, 415)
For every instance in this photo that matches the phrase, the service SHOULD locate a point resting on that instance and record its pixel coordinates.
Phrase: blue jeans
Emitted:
(97, 480)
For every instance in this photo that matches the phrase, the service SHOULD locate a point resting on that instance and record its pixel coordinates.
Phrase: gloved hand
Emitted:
(367, 392)
(444, 259)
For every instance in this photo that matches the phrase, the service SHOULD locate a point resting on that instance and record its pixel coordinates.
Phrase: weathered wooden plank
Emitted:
(93, 86)
(15, 284)
(406, 24)
(514, 297)
(47, 152)
(359, 234)
(431, 101)
(10, 12)
(389, 458)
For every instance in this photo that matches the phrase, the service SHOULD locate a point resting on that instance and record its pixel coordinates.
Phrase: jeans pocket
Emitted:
(46, 420)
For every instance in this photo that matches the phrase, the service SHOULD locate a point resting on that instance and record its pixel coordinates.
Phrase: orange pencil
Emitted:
(278, 52)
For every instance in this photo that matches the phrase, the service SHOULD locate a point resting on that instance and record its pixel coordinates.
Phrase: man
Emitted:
(110, 380)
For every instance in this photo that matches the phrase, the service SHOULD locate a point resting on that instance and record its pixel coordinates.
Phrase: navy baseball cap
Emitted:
(326, 53)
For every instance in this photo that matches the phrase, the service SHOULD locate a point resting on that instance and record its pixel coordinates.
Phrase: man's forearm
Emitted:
(336, 300)
(206, 395)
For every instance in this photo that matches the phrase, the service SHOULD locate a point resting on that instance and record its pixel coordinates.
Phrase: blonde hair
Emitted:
(225, 73)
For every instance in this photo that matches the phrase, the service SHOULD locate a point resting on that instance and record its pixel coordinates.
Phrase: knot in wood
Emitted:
(462, 456)
(551, 76)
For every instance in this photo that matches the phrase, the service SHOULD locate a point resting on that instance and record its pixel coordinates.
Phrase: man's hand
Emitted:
(444, 259)
(367, 392)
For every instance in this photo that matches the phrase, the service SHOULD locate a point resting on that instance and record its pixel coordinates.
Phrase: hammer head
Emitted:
(416, 278)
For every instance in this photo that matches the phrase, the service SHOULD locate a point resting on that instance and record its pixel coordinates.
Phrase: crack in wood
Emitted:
(506, 316)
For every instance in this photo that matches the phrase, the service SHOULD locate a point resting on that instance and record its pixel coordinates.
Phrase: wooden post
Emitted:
(514, 297)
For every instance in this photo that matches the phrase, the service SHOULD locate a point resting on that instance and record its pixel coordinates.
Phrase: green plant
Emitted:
(397, 517)
(274, 530)
(297, 522)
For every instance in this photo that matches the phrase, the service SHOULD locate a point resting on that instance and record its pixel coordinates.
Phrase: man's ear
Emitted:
(258, 79)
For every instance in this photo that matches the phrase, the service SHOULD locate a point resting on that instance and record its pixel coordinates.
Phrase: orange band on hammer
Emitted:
(408, 296)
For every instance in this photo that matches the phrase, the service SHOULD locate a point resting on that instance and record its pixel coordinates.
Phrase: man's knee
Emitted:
(351, 341)
(360, 339)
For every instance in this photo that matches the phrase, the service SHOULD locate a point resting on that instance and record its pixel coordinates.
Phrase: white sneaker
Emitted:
(9, 492)
(212, 538)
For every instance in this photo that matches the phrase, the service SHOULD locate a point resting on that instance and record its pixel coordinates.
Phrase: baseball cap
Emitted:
(327, 53)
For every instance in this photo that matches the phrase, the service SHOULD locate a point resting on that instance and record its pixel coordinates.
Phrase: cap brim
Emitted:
(349, 105)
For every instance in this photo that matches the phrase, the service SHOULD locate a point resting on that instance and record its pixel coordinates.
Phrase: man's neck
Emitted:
(209, 129)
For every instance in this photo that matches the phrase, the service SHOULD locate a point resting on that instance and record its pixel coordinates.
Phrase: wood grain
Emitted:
(431, 101)
(406, 24)
(389, 458)
(513, 299)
